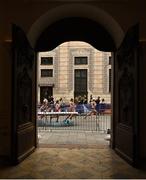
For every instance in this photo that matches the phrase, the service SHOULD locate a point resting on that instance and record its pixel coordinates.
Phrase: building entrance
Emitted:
(124, 134)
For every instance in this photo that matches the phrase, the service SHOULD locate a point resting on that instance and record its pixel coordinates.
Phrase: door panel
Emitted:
(23, 96)
(126, 97)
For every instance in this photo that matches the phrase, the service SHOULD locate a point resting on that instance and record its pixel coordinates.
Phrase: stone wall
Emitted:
(63, 70)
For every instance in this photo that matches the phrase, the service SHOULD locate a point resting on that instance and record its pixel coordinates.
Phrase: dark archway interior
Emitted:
(75, 29)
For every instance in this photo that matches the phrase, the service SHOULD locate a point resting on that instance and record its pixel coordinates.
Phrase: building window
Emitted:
(81, 60)
(110, 59)
(46, 60)
(80, 82)
(45, 92)
(110, 79)
(46, 72)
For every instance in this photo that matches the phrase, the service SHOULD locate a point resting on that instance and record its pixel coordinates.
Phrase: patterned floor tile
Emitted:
(72, 163)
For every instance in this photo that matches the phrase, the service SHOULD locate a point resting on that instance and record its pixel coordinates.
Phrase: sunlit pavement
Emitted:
(76, 138)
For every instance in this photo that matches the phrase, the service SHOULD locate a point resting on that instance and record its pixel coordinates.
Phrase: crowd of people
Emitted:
(79, 104)
(58, 106)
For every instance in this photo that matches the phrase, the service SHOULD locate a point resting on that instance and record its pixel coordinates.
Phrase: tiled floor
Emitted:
(72, 163)
(72, 155)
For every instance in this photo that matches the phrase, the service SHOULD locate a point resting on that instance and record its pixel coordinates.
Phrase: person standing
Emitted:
(102, 106)
(57, 109)
(93, 108)
(98, 104)
(72, 108)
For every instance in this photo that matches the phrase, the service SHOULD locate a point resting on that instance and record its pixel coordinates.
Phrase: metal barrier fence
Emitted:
(99, 123)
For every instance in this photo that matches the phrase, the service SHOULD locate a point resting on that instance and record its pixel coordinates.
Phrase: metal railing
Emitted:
(100, 122)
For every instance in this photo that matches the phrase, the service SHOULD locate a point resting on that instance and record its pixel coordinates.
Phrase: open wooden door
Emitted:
(125, 93)
(23, 96)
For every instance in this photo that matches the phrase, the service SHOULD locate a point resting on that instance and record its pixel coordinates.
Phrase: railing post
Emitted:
(96, 122)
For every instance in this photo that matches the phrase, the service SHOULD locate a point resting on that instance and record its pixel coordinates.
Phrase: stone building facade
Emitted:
(74, 68)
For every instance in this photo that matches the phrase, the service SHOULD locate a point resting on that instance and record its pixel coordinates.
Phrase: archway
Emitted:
(76, 22)
(72, 29)
(76, 10)
(109, 31)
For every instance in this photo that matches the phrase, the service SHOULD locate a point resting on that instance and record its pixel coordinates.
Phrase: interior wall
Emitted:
(24, 13)
(142, 99)
(5, 98)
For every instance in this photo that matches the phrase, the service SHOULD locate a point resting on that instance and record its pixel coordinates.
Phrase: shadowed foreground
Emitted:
(74, 163)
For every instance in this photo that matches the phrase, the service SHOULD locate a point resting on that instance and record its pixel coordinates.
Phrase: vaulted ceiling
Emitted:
(75, 29)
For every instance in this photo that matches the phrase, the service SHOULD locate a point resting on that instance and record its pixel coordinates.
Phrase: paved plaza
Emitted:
(90, 131)
(65, 138)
